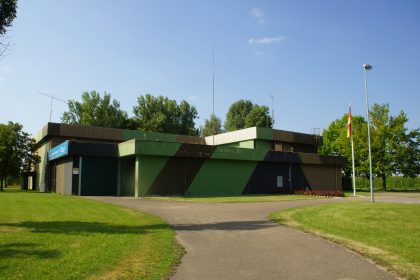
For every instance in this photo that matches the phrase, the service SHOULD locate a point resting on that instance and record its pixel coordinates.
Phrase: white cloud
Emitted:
(258, 14)
(193, 98)
(266, 40)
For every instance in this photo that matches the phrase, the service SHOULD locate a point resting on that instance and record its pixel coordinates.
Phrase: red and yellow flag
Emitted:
(349, 123)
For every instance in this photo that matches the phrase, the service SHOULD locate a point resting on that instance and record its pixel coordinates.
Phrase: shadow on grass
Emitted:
(23, 250)
(18, 190)
(228, 226)
(77, 227)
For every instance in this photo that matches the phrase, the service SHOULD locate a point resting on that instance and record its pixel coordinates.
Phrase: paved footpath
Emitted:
(236, 241)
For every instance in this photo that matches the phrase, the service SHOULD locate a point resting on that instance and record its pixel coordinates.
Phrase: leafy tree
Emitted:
(407, 154)
(161, 114)
(335, 142)
(235, 117)
(7, 15)
(243, 114)
(16, 152)
(388, 134)
(212, 126)
(394, 149)
(259, 116)
(95, 110)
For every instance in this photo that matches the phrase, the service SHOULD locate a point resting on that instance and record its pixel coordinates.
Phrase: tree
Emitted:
(95, 110)
(335, 142)
(243, 114)
(7, 15)
(16, 152)
(259, 116)
(407, 154)
(212, 126)
(390, 140)
(161, 114)
(394, 149)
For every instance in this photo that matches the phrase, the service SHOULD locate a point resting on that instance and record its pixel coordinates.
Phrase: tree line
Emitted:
(151, 113)
(395, 148)
(161, 114)
(16, 153)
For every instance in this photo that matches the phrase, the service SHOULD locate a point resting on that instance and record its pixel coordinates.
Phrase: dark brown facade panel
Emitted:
(91, 132)
(327, 178)
(190, 139)
(295, 137)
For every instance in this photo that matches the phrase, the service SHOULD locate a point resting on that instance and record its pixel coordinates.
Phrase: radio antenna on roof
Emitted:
(52, 98)
(214, 123)
(272, 108)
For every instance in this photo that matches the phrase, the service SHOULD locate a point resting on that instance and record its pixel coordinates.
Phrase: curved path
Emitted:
(236, 241)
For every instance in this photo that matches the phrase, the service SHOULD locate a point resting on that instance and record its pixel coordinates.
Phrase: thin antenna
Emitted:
(316, 132)
(272, 108)
(52, 97)
(214, 129)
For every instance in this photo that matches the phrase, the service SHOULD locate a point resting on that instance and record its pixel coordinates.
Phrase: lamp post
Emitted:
(365, 68)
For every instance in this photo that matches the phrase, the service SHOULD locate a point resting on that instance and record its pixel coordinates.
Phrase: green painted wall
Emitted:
(127, 148)
(265, 145)
(248, 144)
(264, 133)
(225, 173)
(221, 178)
(239, 154)
(127, 180)
(149, 168)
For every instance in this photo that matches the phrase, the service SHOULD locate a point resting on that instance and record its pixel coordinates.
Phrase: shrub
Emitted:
(319, 193)
(394, 183)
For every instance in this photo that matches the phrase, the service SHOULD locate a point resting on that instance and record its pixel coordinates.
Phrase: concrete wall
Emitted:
(42, 152)
(63, 176)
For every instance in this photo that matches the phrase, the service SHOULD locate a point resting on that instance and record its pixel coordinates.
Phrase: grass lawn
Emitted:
(50, 236)
(358, 193)
(230, 199)
(388, 233)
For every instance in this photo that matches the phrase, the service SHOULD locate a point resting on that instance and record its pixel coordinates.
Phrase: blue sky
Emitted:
(307, 54)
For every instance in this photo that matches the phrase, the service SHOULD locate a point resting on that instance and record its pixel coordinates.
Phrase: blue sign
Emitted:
(59, 151)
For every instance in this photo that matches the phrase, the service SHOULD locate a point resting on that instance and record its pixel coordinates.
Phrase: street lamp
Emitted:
(368, 67)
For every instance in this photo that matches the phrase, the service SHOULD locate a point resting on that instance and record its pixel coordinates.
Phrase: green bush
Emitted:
(395, 183)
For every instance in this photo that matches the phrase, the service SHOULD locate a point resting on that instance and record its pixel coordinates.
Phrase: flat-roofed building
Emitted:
(84, 160)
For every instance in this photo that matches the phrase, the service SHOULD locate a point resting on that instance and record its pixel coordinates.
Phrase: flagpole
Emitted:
(354, 169)
(350, 134)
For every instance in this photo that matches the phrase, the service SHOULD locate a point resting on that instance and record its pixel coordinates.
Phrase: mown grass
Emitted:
(49, 236)
(388, 233)
(233, 199)
(358, 193)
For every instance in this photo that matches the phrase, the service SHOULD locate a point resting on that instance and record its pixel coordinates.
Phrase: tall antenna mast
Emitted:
(272, 108)
(214, 129)
(51, 103)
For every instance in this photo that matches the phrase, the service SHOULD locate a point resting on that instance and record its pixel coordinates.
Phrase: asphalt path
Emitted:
(237, 241)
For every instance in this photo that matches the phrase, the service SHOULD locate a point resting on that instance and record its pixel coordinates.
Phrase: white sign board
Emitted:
(279, 181)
